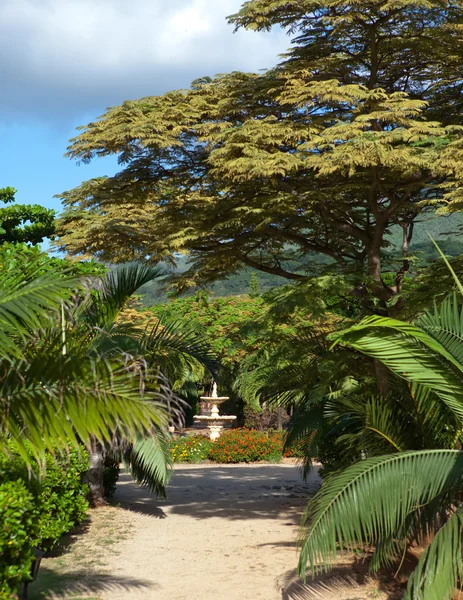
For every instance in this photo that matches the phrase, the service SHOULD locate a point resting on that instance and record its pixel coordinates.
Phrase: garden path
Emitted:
(224, 532)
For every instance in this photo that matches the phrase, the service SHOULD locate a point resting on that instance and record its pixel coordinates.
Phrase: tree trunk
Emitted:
(94, 475)
(279, 419)
(382, 377)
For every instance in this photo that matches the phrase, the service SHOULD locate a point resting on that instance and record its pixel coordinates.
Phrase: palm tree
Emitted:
(164, 353)
(407, 498)
(48, 399)
(70, 373)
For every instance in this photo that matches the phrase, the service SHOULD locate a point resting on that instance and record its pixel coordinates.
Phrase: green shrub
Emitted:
(190, 449)
(62, 498)
(59, 494)
(247, 445)
(16, 527)
(37, 510)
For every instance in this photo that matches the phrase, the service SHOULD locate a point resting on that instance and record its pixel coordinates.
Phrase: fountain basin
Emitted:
(211, 418)
(214, 420)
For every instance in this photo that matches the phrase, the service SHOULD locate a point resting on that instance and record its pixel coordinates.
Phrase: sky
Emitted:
(62, 62)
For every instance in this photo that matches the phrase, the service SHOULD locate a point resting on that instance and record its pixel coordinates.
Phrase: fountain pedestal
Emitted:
(214, 421)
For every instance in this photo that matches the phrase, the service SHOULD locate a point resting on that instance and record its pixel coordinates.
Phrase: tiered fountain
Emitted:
(214, 420)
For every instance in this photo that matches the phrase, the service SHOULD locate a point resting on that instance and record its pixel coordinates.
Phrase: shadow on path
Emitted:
(228, 492)
(349, 581)
(54, 584)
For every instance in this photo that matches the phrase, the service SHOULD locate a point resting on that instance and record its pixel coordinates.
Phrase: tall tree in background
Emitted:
(29, 223)
(354, 132)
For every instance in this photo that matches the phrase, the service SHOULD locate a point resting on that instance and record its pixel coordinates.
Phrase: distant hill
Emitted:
(446, 230)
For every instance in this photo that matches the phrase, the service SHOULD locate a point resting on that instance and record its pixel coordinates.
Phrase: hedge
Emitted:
(37, 510)
(16, 526)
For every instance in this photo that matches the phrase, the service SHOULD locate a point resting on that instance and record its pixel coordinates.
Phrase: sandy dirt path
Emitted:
(225, 532)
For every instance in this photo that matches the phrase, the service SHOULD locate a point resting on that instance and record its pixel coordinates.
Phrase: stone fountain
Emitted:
(214, 420)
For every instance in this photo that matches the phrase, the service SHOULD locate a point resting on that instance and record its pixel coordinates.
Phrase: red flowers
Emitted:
(247, 445)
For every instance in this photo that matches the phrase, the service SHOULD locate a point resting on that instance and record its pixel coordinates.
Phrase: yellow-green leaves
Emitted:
(357, 130)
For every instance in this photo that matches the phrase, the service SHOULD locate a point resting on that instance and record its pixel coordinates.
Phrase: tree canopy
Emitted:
(355, 132)
(29, 223)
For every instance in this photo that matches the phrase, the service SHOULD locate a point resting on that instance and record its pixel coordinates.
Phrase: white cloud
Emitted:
(71, 55)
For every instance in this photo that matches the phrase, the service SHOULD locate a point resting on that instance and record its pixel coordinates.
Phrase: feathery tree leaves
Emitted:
(357, 130)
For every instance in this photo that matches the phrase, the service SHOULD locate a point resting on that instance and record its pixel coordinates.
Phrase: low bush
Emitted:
(62, 498)
(37, 510)
(16, 526)
(247, 445)
(191, 449)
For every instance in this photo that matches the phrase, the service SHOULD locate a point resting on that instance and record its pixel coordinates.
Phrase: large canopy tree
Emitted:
(354, 132)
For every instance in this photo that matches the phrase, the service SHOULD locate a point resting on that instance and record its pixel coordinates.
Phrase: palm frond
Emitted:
(53, 402)
(307, 427)
(445, 324)
(410, 353)
(150, 462)
(372, 500)
(440, 567)
(164, 343)
(118, 286)
(448, 265)
(26, 305)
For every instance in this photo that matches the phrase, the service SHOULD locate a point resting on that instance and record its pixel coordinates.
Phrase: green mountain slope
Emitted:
(446, 230)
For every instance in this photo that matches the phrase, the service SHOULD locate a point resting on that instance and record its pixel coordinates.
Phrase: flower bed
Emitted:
(190, 449)
(247, 445)
(233, 446)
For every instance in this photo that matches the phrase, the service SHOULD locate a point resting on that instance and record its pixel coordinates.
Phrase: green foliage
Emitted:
(29, 223)
(7, 194)
(32, 262)
(62, 500)
(191, 449)
(16, 519)
(246, 445)
(254, 287)
(37, 509)
(221, 319)
(416, 494)
(59, 494)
